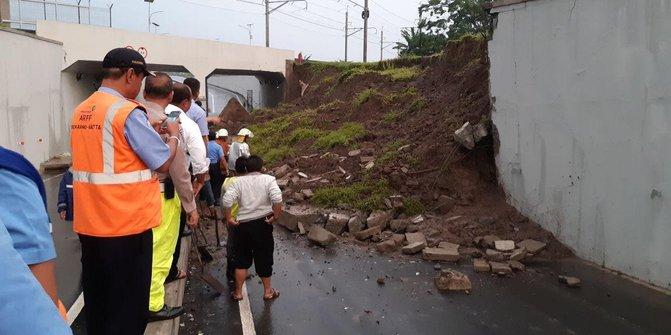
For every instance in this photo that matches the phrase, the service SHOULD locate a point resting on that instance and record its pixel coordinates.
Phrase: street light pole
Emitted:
(149, 2)
(270, 10)
(365, 14)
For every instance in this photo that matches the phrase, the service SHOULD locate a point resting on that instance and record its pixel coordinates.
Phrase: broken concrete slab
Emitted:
(366, 159)
(441, 254)
(413, 228)
(415, 237)
(500, 268)
(464, 136)
(488, 241)
(481, 265)
(282, 171)
(452, 280)
(417, 219)
(413, 248)
(301, 228)
(321, 236)
(386, 246)
(288, 221)
(479, 132)
(303, 175)
(518, 254)
(336, 223)
(532, 246)
(357, 222)
(472, 252)
(379, 219)
(504, 245)
(398, 239)
(516, 266)
(369, 165)
(569, 281)
(367, 233)
(448, 246)
(307, 193)
(494, 255)
(353, 153)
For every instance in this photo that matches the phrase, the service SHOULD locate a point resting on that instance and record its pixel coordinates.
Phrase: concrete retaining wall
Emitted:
(582, 95)
(32, 121)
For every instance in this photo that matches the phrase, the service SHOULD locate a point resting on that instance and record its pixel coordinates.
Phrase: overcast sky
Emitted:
(317, 31)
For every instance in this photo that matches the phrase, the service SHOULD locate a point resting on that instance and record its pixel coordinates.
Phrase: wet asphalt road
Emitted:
(335, 291)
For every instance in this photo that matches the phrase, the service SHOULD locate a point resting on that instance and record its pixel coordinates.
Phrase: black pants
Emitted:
(230, 268)
(174, 271)
(116, 276)
(253, 242)
(217, 179)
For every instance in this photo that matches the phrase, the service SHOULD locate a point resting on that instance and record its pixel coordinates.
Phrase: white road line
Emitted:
(53, 177)
(246, 317)
(75, 309)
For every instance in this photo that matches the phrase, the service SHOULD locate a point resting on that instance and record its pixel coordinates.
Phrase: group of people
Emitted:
(137, 170)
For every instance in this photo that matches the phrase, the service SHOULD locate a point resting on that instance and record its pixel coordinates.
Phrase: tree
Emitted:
(455, 18)
(418, 43)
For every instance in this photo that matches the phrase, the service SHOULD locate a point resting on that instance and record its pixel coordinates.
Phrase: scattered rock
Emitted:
(481, 265)
(398, 239)
(486, 220)
(398, 225)
(366, 159)
(282, 171)
(504, 245)
(464, 136)
(517, 266)
(302, 175)
(446, 204)
(413, 248)
(488, 241)
(367, 233)
(445, 253)
(532, 246)
(336, 223)
(494, 255)
(386, 246)
(353, 153)
(572, 282)
(500, 268)
(379, 219)
(518, 254)
(369, 165)
(301, 228)
(451, 280)
(479, 132)
(283, 183)
(417, 219)
(357, 222)
(448, 246)
(413, 228)
(321, 236)
(307, 193)
(415, 237)
(288, 221)
(380, 281)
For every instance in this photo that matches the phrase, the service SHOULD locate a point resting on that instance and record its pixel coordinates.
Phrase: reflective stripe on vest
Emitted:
(112, 179)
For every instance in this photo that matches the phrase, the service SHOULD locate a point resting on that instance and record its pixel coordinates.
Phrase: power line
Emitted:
(218, 7)
(390, 12)
(308, 21)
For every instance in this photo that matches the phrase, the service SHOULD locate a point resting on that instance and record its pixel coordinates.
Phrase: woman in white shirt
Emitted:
(239, 147)
(259, 201)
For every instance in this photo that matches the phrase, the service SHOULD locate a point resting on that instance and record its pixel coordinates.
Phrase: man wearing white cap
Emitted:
(239, 148)
(222, 140)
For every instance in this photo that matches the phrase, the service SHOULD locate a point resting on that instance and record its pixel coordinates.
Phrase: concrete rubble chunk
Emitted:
(357, 222)
(413, 248)
(369, 165)
(302, 175)
(413, 228)
(479, 132)
(288, 221)
(448, 246)
(398, 225)
(464, 136)
(282, 171)
(398, 239)
(441, 254)
(379, 219)
(386, 246)
(301, 228)
(336, 223)
(415, 237)
(417, 219)
(307, 193)
(367, 233)
(452, 280)
(532, 246)
(446, 204)
(518, 254)
(500, 268)
(283, 183)
(321, 236)
(472, 252)
(516, 266)
(488, 241)
(366, 159)
(494, 255)
(353, 153)
(481, 265)
(569, 281)
(504, 245)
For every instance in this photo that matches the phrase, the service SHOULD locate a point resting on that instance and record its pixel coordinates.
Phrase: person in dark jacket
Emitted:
(65, 202)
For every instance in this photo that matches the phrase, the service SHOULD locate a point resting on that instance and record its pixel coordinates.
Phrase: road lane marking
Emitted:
(75, 309)
(246, 317)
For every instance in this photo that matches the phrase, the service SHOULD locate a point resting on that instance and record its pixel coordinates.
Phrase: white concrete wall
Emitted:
(200, 57)
(583, 110)
(32, 121)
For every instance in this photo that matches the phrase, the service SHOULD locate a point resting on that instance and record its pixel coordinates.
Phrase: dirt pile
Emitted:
(380, 137)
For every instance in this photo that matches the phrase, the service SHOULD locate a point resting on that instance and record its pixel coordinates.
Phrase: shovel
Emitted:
(208, 278)
(204, 255)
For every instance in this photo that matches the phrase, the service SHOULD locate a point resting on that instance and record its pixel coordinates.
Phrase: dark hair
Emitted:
(158, 86)
(212, 136)
(241, 165)
(117, 72)
(193, 84)
(199, 103)
(254, 163)
(180, 92)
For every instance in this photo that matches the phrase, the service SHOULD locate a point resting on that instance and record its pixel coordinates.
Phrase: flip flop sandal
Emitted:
(273, 296)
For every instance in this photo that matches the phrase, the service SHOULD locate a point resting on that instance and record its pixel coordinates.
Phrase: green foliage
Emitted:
(402, 73)
(418, 105)
(344, 136)
(412, 206)
(392, 116)
(391, 152)
(352, 72)
(277, 153)
(455, 18)
(364, 96)
(303, 134)
(270, 139)
(419, 43)
(393, 97)
(367, 195)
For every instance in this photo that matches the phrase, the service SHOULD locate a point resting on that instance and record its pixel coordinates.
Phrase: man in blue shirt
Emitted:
(218, 166)
(195, 112)
(27, 254)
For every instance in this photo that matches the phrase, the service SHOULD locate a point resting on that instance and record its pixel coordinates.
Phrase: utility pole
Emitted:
(249, 30)
(346, 32)
(149, 14)
(365, 14)
(381, 42)
(353, 31)
(270, 10)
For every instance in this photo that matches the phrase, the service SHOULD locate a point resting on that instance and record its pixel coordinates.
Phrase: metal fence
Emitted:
(23, 14)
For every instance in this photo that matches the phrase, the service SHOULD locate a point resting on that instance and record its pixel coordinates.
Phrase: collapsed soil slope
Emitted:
(401, 116)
